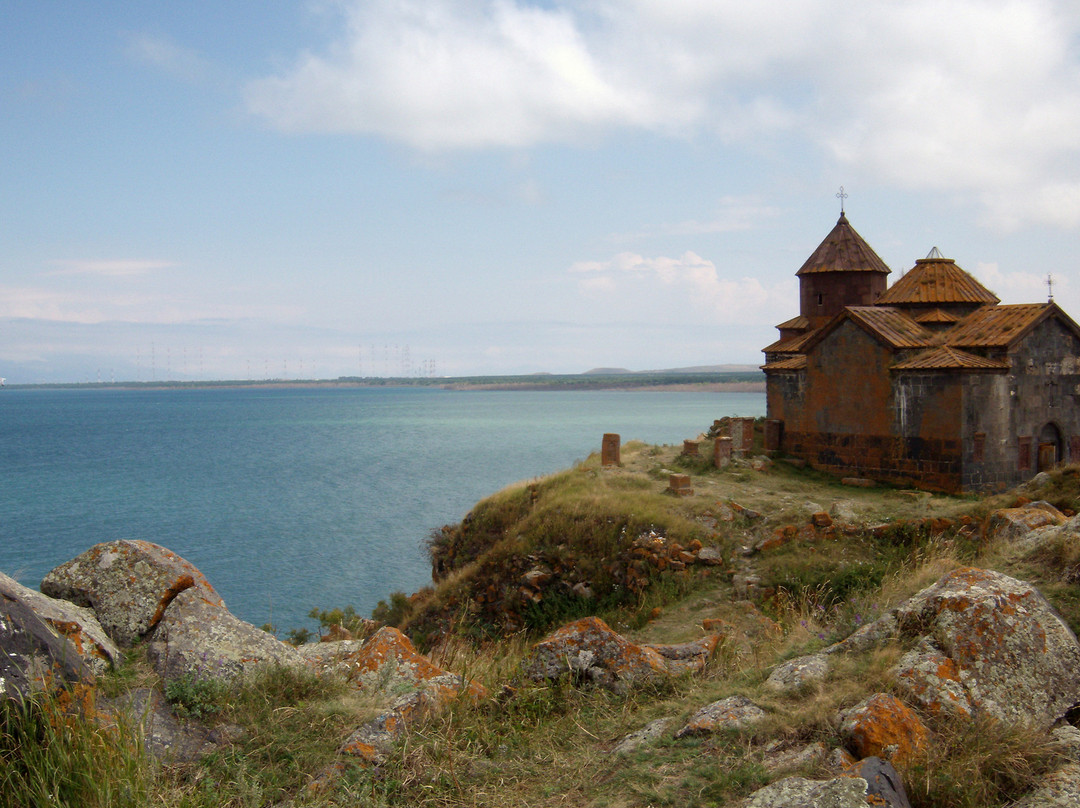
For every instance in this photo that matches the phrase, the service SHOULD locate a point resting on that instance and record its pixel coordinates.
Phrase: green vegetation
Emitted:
(543, 552)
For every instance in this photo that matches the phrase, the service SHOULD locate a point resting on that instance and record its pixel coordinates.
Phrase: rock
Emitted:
(821, 519)
(798, 674)
(34, 656)
(711, 556)
(1068, 738)
(991, 645)
(1012, 524)
(883, 781)
(389, 663)
(798, 792)
(843, 510)
(167, 738)
(589, 648)
(778, 758)
(734, 712)
(127, 584)
(688, 657)
(1040, 479)
(857, 482)
(1061, 789)
(76, 623)
(883, 726)
(200, 637)
(650, 732)
(871, 635)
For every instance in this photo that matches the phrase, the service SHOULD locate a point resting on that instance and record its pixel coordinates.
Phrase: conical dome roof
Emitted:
(937, 281)
(843, 250)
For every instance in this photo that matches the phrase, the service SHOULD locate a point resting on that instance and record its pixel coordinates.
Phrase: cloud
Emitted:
(182, 63)
(114, 269)
(629, 280)
(972, 97)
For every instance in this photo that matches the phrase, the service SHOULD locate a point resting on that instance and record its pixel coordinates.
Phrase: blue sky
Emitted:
(316, 189)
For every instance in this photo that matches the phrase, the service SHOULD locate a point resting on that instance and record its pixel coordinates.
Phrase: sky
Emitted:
(274, 189)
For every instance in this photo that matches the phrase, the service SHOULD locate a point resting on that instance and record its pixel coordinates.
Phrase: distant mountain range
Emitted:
(694, 369)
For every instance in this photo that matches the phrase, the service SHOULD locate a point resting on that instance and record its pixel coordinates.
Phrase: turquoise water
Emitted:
(289, 499)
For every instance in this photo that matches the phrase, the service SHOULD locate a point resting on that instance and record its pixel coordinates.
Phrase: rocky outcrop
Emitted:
(388, 663)
(1013, 524)
(798, 674)
(990, 644)
(198, 636)
(127, 584)
(589, 649)
(34, 655)
(79, 625)
(734, 712)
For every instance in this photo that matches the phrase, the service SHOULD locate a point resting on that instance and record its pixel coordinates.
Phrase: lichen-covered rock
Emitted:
(650, 732)
(734, 712)
(1060, 789)
(780, 757)
(388, 663)
(199, 636)
(991, 645)
(1010, 524)
(76, 623)
(169, 739)
(688, 657)
(883, 726)
(799, 792)
(797, 674)
(127, 584)
(34, 656)
(589, 648)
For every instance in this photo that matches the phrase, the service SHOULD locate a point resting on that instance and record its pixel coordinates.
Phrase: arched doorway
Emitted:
(1050, 448)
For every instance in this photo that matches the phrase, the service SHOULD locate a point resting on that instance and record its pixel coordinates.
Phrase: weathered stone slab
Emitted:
(127, 584)
(799, 792)
(76, 623)
(33, 655)
(199, 636)
(734, 712)
(798, 674)
(647, 734)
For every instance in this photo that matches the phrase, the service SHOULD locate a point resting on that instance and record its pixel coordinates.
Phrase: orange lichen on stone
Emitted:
(885, 727)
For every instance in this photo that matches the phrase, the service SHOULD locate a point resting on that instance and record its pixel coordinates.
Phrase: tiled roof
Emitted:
(996, 326)
(936, 280)
(797, 362)
(892, 325)
(936, 316)
(799, 323)
(843, 250)
(946, 358)
(793, 344)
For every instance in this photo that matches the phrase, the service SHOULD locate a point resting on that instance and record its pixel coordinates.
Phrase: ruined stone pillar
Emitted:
(609, 450)
(690, 447)
(679, 485)
(721, 451)
(742, 434)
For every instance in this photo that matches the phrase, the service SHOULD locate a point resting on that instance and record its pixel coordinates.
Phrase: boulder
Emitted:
(76, 623)
(883, 782)
(688, 657)
(198, 636)
(734, 712)
(1060, 789)
(647, 734)
(127, 584)
(798, 674)
(990, 645)
(779, 757)
(590, 649)
(883, 726)
(34, 656)
(1012, 524)
(799, 792)
(388, 663)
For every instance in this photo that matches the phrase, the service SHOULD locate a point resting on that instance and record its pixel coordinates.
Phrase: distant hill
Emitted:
(694, 369)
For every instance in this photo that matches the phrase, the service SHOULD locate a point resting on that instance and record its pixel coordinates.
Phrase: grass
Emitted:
(549, 744)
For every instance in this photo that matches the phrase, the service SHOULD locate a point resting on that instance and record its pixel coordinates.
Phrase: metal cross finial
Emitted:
(1050, 288)
(841, 196)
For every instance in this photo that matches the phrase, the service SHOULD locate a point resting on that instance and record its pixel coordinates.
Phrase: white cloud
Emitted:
(975, 97)
(113, 269)
(629, 280)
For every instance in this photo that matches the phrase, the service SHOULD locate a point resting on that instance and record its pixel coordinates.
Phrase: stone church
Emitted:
(929, 382)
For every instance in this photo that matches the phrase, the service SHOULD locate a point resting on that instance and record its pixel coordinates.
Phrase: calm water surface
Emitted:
(289, 499)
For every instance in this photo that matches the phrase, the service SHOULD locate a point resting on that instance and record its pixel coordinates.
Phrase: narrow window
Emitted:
(1023, 446)
(820, 298)
(979, 447)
